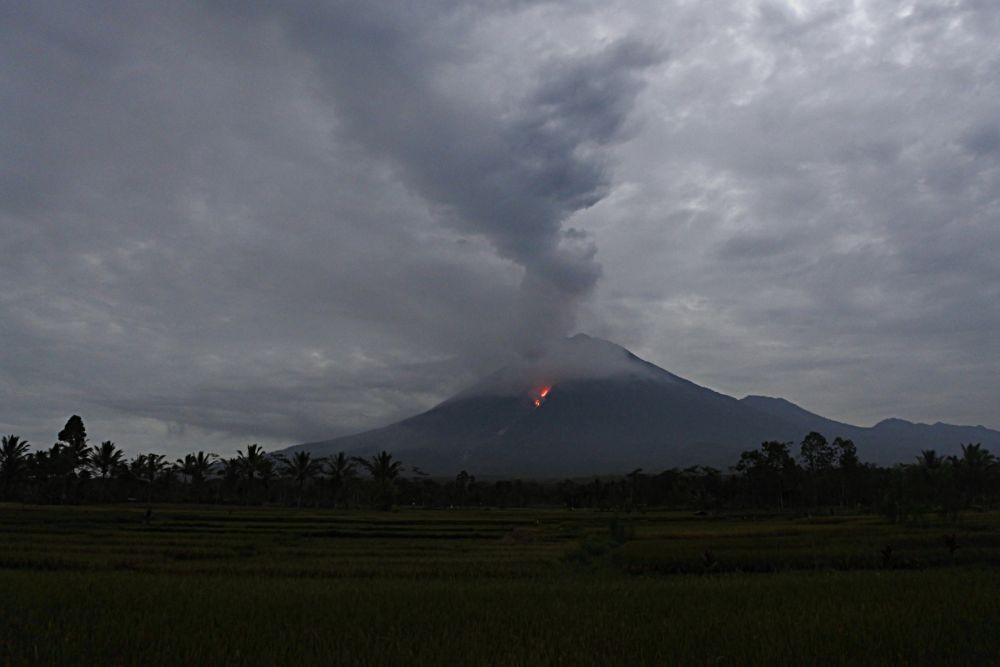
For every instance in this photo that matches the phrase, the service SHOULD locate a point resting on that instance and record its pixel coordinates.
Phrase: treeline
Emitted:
(821, 474)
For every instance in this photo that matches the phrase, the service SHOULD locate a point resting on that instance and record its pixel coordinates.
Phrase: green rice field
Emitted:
(251, 586)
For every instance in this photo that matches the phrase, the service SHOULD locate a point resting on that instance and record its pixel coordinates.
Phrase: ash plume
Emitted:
(509, 173)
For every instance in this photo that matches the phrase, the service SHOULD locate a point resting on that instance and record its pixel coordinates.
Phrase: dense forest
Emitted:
(814, 475)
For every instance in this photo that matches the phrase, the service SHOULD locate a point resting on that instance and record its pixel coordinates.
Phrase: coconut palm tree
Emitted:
(929, 459)
(341, 470)
(230, 474)
(384, 471)
(105, 458)
(148, 469)
(250, 461)
(931, 476)
(13, 462)
(301, 468)
(975, 468)
(266, 472)
(154, 467)
(195, 467)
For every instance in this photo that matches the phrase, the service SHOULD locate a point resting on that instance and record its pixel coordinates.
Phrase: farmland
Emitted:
(250, 585)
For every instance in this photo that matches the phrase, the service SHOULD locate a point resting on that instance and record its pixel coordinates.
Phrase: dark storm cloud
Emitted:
(233, 221)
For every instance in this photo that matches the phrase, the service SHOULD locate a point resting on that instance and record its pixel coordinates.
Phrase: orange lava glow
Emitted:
(542, 393)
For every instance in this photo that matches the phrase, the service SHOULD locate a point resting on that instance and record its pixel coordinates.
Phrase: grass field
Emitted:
(83, 585)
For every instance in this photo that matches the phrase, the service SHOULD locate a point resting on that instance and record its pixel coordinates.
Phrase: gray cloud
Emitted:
(227, 222)
(512, 173)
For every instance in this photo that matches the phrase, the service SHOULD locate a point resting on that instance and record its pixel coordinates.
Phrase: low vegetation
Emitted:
(260, 586)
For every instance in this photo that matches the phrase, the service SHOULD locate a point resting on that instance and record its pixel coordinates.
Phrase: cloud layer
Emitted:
(225, 222)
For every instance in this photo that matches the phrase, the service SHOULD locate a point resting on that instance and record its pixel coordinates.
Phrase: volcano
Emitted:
(589, 406)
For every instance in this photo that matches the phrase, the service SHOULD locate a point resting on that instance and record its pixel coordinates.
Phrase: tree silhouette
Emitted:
(148, 469)
(342, 471)
(266, 472)
(105, 458)
(770, 471)
(848, 463)
(463, 483)
(13, 462)
(250, 464)
(250, 460)
(231, 474)
(816, 452)
(817, 457)
(196, 467)
(975, 468)
(301, 468)
(154, 467)
(929, 459)
(384, 471)
(74, 434)
(929, 476)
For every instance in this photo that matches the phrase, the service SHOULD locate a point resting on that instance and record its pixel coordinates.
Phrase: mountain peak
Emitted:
(577, 358)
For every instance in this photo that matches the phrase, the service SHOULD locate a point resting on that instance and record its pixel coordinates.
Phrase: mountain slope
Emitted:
(600, 409)
(607, 411)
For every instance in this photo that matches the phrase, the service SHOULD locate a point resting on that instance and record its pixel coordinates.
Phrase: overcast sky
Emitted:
(224, 223)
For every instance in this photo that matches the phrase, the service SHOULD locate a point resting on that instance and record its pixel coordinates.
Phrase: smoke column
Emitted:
(510, 175)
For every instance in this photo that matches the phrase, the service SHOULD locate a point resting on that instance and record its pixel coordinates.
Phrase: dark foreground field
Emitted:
(506, 587)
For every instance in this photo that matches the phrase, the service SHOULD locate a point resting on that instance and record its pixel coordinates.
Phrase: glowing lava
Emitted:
(542, 393)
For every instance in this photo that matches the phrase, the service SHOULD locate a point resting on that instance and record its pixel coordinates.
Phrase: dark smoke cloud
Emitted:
(513, 175)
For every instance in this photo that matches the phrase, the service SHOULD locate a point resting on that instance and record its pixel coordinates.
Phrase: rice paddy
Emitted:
(262, 586)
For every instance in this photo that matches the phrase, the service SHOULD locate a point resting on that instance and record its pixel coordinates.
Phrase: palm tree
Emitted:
(196, 467)
(154, 466)
(230, 474)
(341, 470)
(13, 461)
(148, 468)
(266, 473)
(105, 459)
(384, 471)
(301, 467)
(929, 459)
(932, 477)
(250, 463)
(975, 468)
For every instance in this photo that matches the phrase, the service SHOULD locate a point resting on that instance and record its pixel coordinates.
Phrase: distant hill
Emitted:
(890, 441)
(589, 406)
